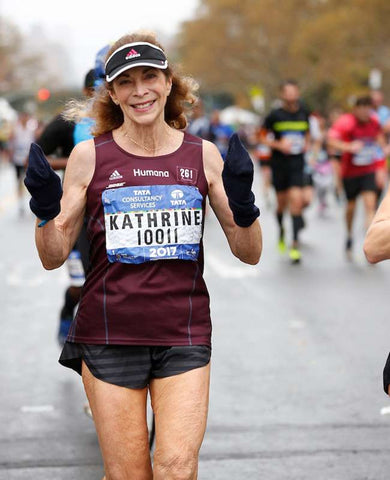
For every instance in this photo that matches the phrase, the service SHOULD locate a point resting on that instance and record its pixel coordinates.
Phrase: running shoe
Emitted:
(295, 255)
(63, 330)
(281, 243)
(282, 248)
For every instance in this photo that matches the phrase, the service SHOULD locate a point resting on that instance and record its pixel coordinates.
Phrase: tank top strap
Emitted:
(191, 139)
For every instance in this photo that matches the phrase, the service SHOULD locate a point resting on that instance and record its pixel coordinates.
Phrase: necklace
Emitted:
(148, 149)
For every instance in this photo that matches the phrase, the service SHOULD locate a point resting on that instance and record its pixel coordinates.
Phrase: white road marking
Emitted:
(37, 408)
(223, 270)
(385, 410)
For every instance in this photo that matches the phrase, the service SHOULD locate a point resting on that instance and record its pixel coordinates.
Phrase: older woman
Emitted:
(144, 321)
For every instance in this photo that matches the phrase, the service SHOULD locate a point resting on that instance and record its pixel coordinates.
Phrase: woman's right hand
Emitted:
(43, 184)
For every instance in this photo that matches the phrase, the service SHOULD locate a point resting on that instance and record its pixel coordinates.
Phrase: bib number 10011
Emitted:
(157, 237)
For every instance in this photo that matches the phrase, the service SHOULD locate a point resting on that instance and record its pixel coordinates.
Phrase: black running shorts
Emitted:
(133, 366)
(353, 186)
(285, 178)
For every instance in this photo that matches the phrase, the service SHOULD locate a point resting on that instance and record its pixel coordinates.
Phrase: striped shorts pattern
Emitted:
(134, 366)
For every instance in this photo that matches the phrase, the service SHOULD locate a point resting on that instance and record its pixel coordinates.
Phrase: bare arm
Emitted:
(381, 140)
(349, 147)
(55, 240)
(245, 243)
(377, 241)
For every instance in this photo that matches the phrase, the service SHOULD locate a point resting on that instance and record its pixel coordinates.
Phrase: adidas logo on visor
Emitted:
(132, 54)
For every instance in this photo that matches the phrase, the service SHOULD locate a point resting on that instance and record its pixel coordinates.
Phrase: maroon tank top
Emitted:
(145, 223)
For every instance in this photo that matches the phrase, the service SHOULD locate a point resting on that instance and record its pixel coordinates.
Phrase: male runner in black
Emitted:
(289, 126)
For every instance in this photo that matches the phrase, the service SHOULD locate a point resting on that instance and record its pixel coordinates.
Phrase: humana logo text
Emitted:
(150, 173)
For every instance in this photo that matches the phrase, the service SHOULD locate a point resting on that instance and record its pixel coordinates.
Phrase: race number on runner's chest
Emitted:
(296, 140)
(370, 153)
(153, 222)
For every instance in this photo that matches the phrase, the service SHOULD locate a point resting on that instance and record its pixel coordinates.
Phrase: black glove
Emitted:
(43, 184)
(237, 176)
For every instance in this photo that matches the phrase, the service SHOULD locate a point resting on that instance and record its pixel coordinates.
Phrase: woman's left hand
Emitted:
(237, 176)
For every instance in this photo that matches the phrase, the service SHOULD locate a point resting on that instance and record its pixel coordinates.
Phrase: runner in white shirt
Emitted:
(23, 134)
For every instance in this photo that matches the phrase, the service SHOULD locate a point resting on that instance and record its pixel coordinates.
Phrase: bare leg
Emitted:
(349, 214)
(119, 414)
(282, 201)
(180, 404)
(308, 194)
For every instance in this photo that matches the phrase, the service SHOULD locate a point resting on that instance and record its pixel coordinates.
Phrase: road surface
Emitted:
(298, 352)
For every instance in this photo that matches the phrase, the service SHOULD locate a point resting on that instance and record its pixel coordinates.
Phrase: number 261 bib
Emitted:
(155, 222)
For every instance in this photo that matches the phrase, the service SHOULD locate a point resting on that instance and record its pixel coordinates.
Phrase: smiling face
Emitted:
(141, 93)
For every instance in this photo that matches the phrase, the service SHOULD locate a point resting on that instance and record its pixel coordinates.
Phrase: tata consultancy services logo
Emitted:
(177, 194)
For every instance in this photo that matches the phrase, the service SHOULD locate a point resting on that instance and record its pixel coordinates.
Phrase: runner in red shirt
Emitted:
(358, 135)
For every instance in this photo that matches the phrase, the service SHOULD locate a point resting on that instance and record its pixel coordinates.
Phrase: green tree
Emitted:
(18, 69)
(329, 46)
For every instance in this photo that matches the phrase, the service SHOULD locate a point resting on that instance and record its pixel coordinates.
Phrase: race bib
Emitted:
(157, 222)
(367, 155)
(75, 269)
(297, 142)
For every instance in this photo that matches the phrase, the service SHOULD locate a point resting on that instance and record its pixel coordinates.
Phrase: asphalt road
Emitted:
(298, 352)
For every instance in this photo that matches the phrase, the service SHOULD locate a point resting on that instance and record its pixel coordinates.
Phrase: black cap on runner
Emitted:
(89, 80)
(132, 55)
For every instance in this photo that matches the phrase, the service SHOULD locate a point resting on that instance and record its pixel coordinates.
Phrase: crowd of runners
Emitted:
(330, 157)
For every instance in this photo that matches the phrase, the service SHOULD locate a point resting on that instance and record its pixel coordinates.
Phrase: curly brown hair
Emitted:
(109, 116)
